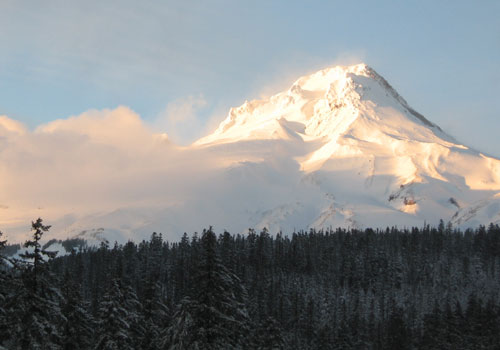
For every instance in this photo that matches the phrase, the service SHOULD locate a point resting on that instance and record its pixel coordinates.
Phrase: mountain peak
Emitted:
(322, 79)
(322, 104)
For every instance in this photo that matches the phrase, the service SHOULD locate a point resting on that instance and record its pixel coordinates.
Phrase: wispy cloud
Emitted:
(94, 160)
(180, 119)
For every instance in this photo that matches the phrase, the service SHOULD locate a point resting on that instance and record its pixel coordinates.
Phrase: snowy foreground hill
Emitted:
(340, 147)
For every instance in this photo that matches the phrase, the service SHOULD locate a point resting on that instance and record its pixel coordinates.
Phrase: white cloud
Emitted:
(104, 160)
(96, 162)
(88, 162)
(119, 127)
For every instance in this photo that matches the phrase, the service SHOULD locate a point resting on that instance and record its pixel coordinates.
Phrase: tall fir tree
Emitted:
(134, 316)
(180, 334)
(268, 335)
(36, 314)
(155, 312)
(112, 324)
(216, 317)
(78, 327)
(156, 317)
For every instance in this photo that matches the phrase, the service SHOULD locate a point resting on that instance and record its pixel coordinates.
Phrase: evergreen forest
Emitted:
(418, 288)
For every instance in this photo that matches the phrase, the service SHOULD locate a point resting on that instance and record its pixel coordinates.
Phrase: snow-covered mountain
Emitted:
(375, 160)
(340, 147)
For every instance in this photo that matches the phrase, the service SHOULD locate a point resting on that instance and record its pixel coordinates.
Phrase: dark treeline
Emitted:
(427, 288)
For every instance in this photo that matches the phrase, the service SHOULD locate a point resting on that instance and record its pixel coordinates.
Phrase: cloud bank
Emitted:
(109, 168)
(95, 161)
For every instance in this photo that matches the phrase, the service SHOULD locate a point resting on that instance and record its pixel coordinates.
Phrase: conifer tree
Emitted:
(34, 260)
(432, 337)
(217, 317)
(78, 326)
(397, 332)
(36, 315)
(113, 328)
(182, 268)
(155, 317)
(155, 312)
(134, 316)
(181, 334)
(269, 336)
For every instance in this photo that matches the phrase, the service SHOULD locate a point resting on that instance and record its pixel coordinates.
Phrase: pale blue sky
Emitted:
(61, 58)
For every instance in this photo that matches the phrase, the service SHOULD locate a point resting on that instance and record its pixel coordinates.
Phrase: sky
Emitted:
(180, 65)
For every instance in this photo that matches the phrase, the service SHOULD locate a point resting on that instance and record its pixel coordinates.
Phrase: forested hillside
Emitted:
(425, 288)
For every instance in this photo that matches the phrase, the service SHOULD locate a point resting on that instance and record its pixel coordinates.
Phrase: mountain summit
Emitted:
(325, 103)
(340, 147)
(370, 149)
(352, 112)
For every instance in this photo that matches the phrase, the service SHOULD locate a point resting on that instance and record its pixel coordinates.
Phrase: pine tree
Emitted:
(36, 315)
(35, 259)
(78, 327)
(134, 315)
(451, 323)
(216, 317)
(432, 337)
(112, 325)
(269, 336)
(155, 312)
(181, 334)
(397, 332)
(155, 316)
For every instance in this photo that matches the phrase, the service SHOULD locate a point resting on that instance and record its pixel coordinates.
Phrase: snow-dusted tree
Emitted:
(134, 315)
(34, 259)
(154, 311)
(269, 336)
(181, 333)
(78, 326)
(112, 324)
(182, 269)
(432, 337)
(216, 317)
(35, 312)
(397, 333)
(155, 315)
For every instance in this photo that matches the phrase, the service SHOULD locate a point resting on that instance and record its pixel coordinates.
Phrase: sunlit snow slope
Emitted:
(340, 147)
(375, 160)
